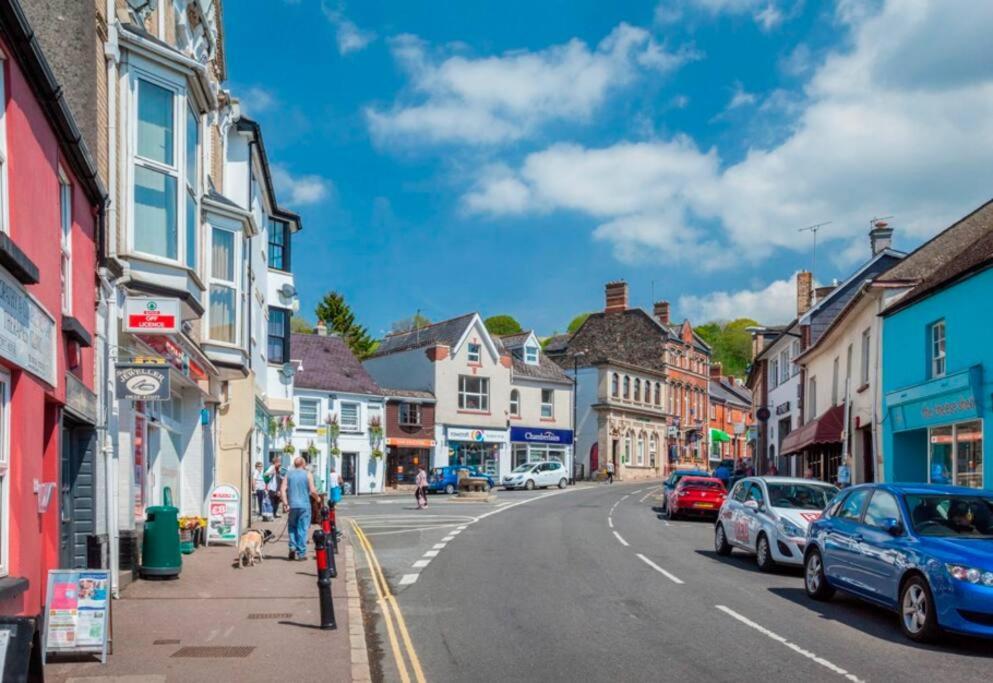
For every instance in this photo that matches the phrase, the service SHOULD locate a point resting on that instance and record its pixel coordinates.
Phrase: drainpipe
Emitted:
(878, 469)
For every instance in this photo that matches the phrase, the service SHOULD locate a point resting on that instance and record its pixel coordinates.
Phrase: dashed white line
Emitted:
(421, 564)
(610, 522)
(408, 579)
(439, 546)
(447, 539)
(669, 575)
(793, 646)
(455, 532)
(431, 553)
(621, 539)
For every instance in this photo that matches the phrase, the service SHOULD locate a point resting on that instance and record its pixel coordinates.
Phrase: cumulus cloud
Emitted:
(298, 190)
(256, 100)
(880, 128)
(774, 304)
(348, 36)
(740, 97)
(767, 14)
(487, 100)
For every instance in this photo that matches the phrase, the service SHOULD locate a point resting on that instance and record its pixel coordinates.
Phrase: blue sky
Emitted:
(512, 156)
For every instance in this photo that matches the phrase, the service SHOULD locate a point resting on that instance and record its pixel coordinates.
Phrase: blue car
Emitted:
(923, 551)
(447, 478)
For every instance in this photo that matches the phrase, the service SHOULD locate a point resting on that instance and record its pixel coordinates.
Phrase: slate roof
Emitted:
(513, 340)
(631, 337)
(407, 393)
(823, 313)
(447, 332)
(326, 363)
(557, 343)
(546, 369)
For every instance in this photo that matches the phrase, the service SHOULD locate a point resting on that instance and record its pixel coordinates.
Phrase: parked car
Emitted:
(669, 485)
(533, 475)
(700, 496)
(447, 478)
(923, 551)
(769, 516)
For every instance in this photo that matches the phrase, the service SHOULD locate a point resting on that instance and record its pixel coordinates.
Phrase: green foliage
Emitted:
(300, 325)
(502, 324)
(414, 322)
(334, 312)
(577, 322)
(731, 344)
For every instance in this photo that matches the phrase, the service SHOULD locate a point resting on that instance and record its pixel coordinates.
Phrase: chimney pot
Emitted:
(880, 237)
(321, 329)
(616, 297)
(804, 291)
(661, 311)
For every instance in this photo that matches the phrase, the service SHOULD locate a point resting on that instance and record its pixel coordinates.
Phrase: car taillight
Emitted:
(682, 492)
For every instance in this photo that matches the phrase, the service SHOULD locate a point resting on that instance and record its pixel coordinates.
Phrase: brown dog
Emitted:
(250, 547)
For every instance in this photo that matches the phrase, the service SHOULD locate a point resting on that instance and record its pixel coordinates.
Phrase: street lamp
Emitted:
(575, 387)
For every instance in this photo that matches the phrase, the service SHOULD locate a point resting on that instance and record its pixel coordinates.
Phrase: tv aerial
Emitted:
(813, 230)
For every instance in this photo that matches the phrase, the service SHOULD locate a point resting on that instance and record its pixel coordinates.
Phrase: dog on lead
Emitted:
(250, 547)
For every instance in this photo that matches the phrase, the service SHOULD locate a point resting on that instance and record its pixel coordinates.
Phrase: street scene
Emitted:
(402, 341)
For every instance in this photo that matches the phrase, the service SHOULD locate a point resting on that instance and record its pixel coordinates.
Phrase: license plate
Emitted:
(704, 505)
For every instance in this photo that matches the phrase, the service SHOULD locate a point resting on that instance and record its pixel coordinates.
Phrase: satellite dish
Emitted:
(288, 290)
(288, 369)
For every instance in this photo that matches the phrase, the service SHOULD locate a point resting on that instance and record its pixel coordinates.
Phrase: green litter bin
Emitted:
(160, 556)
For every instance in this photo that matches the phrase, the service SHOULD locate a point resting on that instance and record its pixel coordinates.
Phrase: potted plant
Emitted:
(335, 451)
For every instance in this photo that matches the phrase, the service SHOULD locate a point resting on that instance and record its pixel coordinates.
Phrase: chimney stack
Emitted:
(804, 291)
(661, 311)
(716, 370)
(321, 329)
(880, 237)
(616, 297)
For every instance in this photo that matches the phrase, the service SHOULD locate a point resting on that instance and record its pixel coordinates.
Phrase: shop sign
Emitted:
(77, 611)
(80, 400)
(477, 435)
(404, 442)
(540, 435)
(223, 515)
(142, 382)
(783, 408)
(152, 316)
(949, 399)
(27, 331)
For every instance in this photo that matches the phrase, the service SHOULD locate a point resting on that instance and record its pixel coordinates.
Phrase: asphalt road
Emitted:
(590, 585)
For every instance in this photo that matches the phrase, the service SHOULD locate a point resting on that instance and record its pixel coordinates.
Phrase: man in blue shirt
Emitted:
(723, 473)
(297, 491)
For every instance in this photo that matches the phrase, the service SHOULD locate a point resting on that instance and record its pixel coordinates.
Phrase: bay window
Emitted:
(223, 311)
(192, 186)
(279, 335)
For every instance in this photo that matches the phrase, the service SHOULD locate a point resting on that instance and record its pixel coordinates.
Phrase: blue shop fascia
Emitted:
(938, 375)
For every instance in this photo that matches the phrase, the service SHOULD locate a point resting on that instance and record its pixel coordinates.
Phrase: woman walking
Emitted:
(421, 492)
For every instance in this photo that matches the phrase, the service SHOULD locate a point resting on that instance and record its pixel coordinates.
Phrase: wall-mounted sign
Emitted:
(27, 331)
(152, 315)
(540, 435)
(783, 408)
(142, 382)
(478, 435)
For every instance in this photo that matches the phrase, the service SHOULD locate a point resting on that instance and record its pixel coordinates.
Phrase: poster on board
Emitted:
(77, 611)
(224, 515)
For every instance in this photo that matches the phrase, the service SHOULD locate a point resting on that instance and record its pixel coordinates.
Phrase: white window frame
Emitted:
(548, 407)
(4, 196)
(515, 403)
(939, 354)
(866, 354)
(483, 394)
(403, 411)
(346, 426)
(193, 186)
(316, 403)
(474, 352)
(641, 449)
(4, 472)
(784, 366)
(811, 398)
(531, 355)
(773, 373)
(234, 285)
(795, 353)
(653, 449)
(835, 372)
(65, 240)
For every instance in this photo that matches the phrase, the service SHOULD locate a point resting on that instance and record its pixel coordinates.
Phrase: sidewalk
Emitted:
(218, 623)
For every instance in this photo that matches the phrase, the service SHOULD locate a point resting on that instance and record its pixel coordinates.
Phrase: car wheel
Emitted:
(449, 489)
(814, 581)
(917, 617)
(563, 483)
(721, 544)
(763, 554)
(529, 485)
(670, 514)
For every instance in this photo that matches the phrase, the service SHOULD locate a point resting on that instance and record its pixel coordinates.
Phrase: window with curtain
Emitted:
(192, 186)
(279, 244)
(156, 173)
(223, 313)
(279, 335)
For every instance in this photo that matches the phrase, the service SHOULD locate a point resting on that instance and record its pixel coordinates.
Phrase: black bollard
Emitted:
(334, 528)
(324, 581)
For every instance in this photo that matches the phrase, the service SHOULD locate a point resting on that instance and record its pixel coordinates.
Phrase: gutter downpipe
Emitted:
(878, 465)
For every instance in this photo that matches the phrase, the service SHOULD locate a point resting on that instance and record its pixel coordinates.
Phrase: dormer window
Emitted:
(531, 355)
(474, 352)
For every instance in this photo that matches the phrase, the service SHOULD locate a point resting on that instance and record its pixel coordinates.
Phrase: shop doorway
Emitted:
(77, 484)
(349, 468)
(868, 456)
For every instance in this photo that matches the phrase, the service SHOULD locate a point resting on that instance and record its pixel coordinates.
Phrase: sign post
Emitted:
(224, 515)
(77, 611)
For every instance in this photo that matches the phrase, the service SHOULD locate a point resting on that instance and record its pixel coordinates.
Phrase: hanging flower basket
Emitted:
(336, 451)
(377, 454)
(288, 449)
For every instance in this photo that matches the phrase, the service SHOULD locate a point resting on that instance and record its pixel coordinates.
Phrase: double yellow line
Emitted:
(391, 611)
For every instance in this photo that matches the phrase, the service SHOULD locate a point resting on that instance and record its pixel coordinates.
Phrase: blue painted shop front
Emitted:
(938, 387)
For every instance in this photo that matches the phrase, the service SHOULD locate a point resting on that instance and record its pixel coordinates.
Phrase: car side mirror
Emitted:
(893, 527)
(751, 505)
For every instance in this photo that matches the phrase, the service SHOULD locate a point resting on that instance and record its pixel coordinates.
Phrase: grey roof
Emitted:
(676, 330)
(824, 312)
(557, 343)
(630, 336)
(326, 363)
(729, 393)
(446, 332)
(546, 369)
(392, 392)
(221, 199)
(516, 339)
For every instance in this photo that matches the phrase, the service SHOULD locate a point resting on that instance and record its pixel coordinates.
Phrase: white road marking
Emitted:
(455, 532)
(669, 575)
(431, 553)
(421, 564)
(624, 497)
(621, 539)
(408, 579)
(610, 522)
(796, 648)
(446, 539)
(650, 492)
(439, 546)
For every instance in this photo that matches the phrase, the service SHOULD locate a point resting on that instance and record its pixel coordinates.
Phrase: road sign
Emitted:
(148, 315)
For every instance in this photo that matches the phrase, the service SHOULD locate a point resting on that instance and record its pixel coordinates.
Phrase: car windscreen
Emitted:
(694, 483)
(958, 515)
(800, 496)
(524, 468)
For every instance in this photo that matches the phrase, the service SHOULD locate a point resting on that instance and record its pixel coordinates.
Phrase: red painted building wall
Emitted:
(34, 156)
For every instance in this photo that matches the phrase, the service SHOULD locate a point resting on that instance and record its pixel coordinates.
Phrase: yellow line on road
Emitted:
(390, 608)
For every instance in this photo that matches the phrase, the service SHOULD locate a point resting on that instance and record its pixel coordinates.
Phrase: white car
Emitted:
(769, 516)
(534, 475)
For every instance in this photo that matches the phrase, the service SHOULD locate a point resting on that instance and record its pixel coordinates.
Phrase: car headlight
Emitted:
(970, 574)
(788, 528)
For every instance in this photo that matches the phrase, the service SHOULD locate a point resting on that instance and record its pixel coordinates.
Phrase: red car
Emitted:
(696, 496)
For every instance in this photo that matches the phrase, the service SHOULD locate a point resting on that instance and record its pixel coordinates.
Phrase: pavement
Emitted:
(590, 584)
(221, 623)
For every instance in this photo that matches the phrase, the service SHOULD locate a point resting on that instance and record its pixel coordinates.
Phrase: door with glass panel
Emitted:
(955, 454)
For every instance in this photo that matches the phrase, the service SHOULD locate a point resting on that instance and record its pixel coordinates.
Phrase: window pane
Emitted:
(308, 413)
(192, 220)
(277, 335)
(222, 314)
(969, 455)
(155, 213)
(882, 506)
(349, 416)
(277, 245)
(192, 149)
(222, 255)
(155, 124)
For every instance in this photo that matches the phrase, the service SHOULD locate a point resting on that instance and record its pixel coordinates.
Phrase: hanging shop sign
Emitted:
(27, 331)
(223, 515)
(77, 611)
(478, 435)
(152, 315)
(142, 382)
(540, 435)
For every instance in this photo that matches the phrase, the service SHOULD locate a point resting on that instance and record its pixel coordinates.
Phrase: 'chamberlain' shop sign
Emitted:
(138, 382)
(27, 332)
(539, 435)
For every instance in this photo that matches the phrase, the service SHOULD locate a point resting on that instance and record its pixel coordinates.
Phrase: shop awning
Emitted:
(824, 430)
(718, 436)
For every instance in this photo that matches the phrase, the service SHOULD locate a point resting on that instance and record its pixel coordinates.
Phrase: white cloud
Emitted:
(767, 14)
(740, 97)
(774, 304)
(879, 129)
(297, 191)
(348, 36)
(256, 100)
(494, 99)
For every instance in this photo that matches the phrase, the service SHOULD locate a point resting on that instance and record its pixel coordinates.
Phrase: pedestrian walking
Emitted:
(334, 486)
(421, 490)
(723, 472)
(297, 491)
(259, 485)
(844, 475)
(610, 472)
(274, 482)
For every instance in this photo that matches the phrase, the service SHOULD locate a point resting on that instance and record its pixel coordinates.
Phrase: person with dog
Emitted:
(297, 491)
(259, 484)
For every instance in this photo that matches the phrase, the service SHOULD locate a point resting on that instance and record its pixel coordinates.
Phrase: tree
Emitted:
(731, 343)
(414, 322)
(577, 322)
(300, 325)
(502, 324)
(334, 312)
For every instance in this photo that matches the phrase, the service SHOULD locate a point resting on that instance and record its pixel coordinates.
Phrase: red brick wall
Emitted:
(394, 430)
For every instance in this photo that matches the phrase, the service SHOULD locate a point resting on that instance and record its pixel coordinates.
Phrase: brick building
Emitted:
(409, 435)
